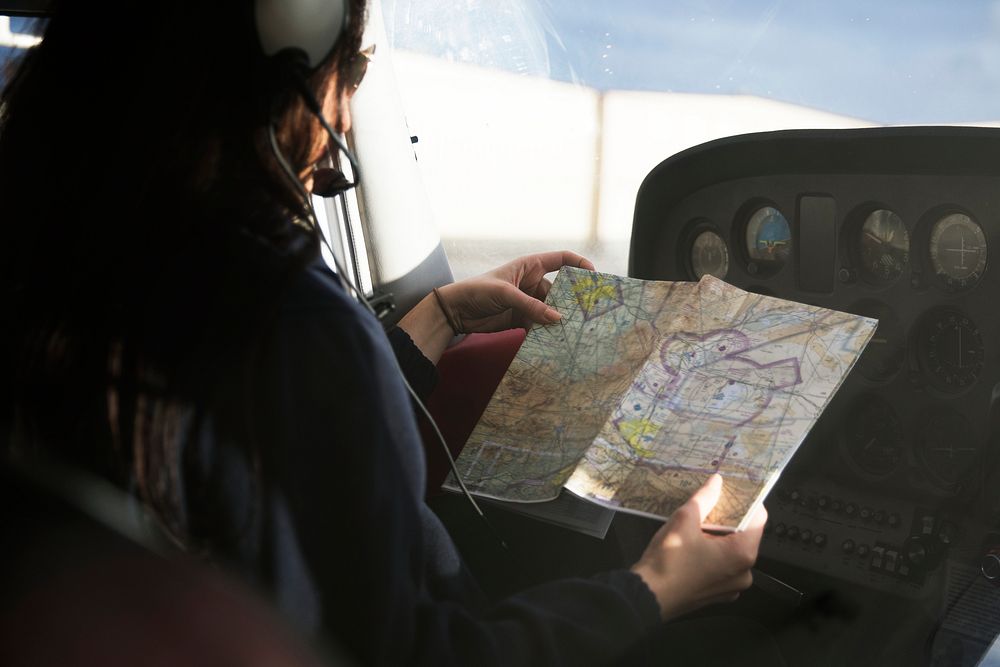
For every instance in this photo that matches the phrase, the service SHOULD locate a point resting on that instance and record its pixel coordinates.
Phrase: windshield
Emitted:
(536, 123)
(538, 119)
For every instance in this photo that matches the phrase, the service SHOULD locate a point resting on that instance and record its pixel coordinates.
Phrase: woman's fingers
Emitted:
(542, 289)
(707, 496)
(532, 309)
(553, 261)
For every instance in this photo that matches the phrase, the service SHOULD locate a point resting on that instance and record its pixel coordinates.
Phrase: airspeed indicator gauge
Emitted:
(709, 255)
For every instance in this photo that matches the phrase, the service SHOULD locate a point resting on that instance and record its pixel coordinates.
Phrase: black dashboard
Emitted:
(892, 503)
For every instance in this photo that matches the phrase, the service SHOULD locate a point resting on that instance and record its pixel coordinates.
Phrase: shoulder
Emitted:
(315, 287)
(319, 324)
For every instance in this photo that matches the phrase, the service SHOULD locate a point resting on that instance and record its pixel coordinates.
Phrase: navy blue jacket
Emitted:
(337, 530)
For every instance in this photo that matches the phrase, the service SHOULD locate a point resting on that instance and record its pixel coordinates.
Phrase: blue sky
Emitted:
(887, 61)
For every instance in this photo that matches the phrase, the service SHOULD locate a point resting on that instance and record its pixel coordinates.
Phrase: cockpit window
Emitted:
(17, 34)
(538, 119)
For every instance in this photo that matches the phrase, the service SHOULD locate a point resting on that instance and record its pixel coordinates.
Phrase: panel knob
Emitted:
(990, 565)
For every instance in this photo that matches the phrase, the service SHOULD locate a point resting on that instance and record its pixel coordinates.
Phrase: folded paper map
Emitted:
(645, 388)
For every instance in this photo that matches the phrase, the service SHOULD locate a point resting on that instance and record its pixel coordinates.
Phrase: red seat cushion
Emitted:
(469, 374)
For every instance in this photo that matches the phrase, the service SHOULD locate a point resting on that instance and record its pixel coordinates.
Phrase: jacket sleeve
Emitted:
(349, 505)
(418, 369)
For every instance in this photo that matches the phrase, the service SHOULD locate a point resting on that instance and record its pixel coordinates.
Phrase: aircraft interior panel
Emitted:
(893, 496)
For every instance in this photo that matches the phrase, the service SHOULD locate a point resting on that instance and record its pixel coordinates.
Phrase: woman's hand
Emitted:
(506, 297)
(687, 568)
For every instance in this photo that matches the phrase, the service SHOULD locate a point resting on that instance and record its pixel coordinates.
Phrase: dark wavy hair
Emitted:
(147, 228)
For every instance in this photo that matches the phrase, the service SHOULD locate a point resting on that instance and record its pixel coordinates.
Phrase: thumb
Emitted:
(707, 496)
(533, 309)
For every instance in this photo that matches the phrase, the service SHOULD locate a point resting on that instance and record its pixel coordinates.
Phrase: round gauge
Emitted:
(884, 246)
(769, 238)
(958, 250)
(951, 350)
(709, 255)
(946, 447)
(886, 351)
(872, 437)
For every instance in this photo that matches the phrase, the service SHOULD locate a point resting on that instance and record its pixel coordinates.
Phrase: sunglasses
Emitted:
(358, 67)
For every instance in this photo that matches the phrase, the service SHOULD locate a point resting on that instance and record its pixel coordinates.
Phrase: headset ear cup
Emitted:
(309, 27)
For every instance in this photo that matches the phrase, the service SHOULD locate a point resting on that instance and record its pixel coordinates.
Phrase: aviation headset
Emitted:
(309, 29)
(300, 36)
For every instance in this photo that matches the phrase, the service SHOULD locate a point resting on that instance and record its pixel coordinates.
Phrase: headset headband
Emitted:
(311, 27)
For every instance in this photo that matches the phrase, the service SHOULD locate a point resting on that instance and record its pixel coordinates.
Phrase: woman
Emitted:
(175, 330)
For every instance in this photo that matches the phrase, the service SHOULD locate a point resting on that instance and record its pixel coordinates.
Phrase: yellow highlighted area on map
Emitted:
(591, 290)
(639, 434)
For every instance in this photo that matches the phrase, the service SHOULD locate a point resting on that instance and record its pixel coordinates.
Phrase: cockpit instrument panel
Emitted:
(898, 485)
